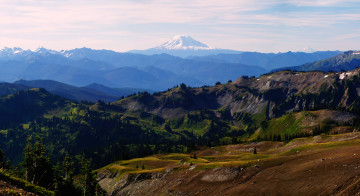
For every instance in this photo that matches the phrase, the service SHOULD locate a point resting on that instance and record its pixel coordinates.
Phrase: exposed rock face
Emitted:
(114, 184)
(275, 94)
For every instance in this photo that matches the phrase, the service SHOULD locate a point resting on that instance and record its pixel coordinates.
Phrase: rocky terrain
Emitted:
(276, 94)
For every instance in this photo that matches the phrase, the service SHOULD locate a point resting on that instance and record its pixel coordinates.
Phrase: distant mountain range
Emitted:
(91, 93)
(95, 91)
(84, 66)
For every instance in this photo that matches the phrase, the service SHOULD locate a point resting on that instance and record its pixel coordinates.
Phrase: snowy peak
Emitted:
(182, 42)
(11, 51)
(19, 51)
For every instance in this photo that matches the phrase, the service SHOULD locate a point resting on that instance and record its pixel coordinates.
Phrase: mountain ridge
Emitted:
(345, 61)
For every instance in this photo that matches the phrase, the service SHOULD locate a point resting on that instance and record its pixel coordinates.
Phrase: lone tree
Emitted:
(255, 152)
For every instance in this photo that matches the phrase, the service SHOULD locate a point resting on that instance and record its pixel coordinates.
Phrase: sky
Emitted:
(123, 25)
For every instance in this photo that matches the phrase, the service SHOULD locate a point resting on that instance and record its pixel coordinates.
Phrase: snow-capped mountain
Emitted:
(19, 54)
(183, 42)
(184, 46)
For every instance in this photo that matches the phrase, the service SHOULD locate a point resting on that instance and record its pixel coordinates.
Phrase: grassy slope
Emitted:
(270, 156)
(21, 185)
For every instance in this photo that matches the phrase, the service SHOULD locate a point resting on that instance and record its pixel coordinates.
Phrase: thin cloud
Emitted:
(51, 22)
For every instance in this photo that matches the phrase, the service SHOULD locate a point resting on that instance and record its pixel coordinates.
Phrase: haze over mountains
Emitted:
(85, 66)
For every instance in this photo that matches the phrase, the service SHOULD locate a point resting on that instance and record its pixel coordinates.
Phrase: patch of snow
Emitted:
(342, 76)
(326, 76)
(345, 74)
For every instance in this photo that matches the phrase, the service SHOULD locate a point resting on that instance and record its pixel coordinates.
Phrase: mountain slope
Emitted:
(346, 61)
(275, 94)
(320, 165)
(10, 185)
(8, 88)
(25, 106)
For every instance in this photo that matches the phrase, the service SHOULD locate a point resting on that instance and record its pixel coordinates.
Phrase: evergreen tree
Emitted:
(37, 166)
(68, 168)
(255, 152)
(88, 177)
(64, 181)
(43, 171)
(8, 165)
(58, 179)
(2, 163)
(28, 162)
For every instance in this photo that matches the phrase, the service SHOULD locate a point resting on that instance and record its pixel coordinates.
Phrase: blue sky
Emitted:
(122, 25)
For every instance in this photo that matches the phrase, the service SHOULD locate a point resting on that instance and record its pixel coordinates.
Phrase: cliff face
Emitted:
(277, 93)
